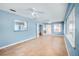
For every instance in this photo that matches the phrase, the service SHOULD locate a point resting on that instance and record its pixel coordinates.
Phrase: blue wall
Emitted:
(7, 33)
(77, 26)
(72, 51)
(58, 33)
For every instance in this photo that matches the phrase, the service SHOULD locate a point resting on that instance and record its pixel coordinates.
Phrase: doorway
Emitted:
(39, 30)
(48, 29)
(44, 29)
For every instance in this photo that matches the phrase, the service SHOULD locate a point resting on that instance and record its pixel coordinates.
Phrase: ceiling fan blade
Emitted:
(40, 12)
(34, 10)
(29, 9)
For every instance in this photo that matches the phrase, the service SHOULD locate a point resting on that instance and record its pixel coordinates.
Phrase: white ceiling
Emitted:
(52, 12)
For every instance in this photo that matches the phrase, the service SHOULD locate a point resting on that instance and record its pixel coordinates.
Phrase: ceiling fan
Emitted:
(35, 12)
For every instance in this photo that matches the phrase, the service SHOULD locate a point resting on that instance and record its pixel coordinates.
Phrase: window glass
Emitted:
(57, 27)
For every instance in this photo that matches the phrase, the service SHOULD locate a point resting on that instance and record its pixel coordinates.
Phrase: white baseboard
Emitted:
(66, 47)
(17, 42)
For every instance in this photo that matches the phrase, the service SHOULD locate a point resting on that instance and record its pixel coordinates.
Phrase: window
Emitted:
(71, 28)
(20, 25)
(57, 27)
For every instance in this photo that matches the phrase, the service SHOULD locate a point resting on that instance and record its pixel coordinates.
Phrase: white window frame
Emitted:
(71, 28)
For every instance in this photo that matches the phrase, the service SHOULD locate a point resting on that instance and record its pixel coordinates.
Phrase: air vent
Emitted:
(12, 10)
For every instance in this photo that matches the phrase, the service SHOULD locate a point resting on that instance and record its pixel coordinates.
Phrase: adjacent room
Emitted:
(39, 29)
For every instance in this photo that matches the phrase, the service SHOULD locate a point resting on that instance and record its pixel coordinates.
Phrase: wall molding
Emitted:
(65, 39)
(17, 42)
(66, 47)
